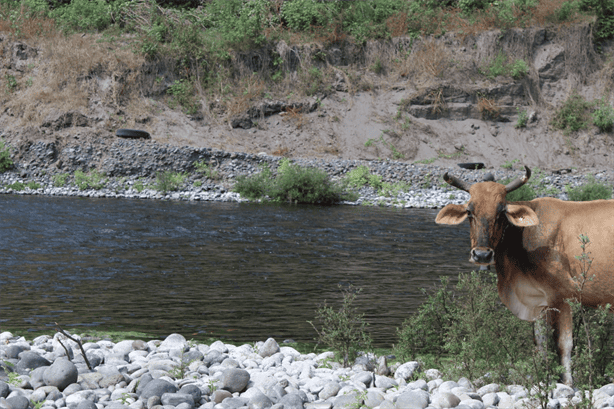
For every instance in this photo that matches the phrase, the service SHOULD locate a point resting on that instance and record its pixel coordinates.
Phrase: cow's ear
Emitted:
(452, 214)
(521, 216)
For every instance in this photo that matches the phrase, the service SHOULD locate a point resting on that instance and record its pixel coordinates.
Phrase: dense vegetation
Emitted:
(199, 39)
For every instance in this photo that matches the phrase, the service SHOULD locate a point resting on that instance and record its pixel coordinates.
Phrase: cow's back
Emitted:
(559, 230)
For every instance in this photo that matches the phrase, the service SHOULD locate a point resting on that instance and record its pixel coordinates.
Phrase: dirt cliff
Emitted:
(442, 100)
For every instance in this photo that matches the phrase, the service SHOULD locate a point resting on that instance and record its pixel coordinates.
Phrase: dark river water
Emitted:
(243, 272)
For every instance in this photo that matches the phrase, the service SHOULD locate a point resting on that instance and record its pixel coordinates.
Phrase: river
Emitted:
(244, 272)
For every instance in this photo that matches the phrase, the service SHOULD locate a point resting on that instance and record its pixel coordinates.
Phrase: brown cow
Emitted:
(533, 246)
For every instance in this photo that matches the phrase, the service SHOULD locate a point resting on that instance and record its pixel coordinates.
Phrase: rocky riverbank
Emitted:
(51, 373)
(128, 169)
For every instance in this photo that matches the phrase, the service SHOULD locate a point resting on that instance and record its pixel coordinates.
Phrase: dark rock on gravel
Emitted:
(30, 360)
(235, 380)
(157, 387)
(61, 374)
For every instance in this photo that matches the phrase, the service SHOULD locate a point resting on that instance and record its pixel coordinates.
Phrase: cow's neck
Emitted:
(518, 289)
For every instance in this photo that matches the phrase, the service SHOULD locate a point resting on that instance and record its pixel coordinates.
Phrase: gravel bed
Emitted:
(130, 167)
(52, 373)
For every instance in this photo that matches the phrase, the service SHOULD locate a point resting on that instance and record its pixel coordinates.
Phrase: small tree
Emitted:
(344, 330)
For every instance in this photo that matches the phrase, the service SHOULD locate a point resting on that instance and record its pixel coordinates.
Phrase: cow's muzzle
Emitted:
(482, 256)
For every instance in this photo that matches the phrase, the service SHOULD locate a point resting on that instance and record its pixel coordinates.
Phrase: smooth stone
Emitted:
(235, 380)
(4, 389)
(414, 399)
(29, 361)
(445, 400)
(174, 341)
(490, 399)
(347, 401)
(219, 395)
(157, 387)
(490, 388)
(269, 348)
(259, 401)
(292, 401)
(86, 404)
(18, 402)
(374, 398)
(406, 371)
(37, 377)
(153, 401)
(174, 399)
(191, 390)
(61, 374)
(329, 390)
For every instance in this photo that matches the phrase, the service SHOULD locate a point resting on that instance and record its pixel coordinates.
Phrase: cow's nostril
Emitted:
(482, 256)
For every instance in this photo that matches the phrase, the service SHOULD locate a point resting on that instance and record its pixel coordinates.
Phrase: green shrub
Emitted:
(524, 193)
(84, 14)
(603, 116)
(33, 185)
(6, 162)
(344, 330)
(572, 115)
(60, 180)
(518, 69)
(18, 186)
(293, 184)
(302, 14)
(592, 190)
(255, 186)
(523, 118)
(304, 185)
(92, 180)
(182, 93)
(423, 335)
(169, 181)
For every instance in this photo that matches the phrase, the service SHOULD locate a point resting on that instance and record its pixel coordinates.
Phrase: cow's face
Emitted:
(489, 214)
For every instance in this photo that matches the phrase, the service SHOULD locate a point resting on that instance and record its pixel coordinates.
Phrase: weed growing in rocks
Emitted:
(344, 330)
(17, 186)
(572, 115)
(255, 186)
(92, 180)
(206, 169)
(293, 184)
(592, 190)
(5, 157)
(60, 179)
(523, 118)
(592, 358)
(169, 181)
(603, 116)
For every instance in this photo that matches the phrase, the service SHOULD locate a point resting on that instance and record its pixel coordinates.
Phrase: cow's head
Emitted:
(489, 214)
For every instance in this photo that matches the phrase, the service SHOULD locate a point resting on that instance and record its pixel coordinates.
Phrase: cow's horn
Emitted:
(456, 182)
(519, 182)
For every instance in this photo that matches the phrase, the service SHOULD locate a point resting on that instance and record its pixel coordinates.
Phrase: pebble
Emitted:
(294, 381)
(130, 168)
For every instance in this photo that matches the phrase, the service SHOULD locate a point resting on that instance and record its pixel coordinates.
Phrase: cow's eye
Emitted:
(469, 214)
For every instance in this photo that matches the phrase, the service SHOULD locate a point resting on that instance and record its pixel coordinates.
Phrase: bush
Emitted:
(84, 14)
(572, 115)
(292, 184)
(255, 186)
(6, 162)
(169, 181)
(469, 324)
(304, 185)
(423, 335)
(523, 194)
(92, 180)
(603, 116)
(343, 330)
(592, 190)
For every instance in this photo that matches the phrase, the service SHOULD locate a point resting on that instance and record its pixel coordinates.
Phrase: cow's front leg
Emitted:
(564, 336)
